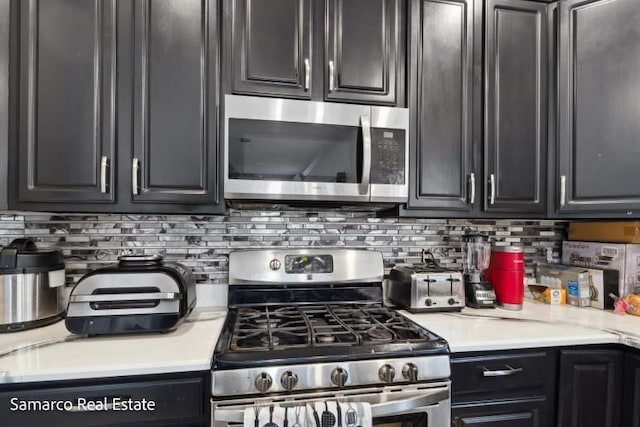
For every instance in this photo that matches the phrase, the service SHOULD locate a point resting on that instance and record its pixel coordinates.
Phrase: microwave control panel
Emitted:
(387, 156)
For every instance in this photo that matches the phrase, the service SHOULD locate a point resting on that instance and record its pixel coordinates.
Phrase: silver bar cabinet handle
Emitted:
(332, 79)
(366, 151)
(307, 73)
(563, 190)
(492, 194)
(135, 167)
(501, 372)
(104, 163)
(472, 183)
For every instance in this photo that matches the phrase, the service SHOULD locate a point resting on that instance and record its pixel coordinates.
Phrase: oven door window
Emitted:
(299, 152)
(408, 420)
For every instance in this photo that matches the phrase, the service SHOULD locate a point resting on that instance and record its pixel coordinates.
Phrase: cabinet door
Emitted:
(515, 106)
(363, 57)
(521, 413)
(631, 404)
(271, 48)
(176, 100)
(66, 135)
(4, 101)
(599, 86)
(590, 388)
(443, 99)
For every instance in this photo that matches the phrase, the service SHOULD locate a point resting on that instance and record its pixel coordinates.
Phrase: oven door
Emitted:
(296, 150)
(421, 406)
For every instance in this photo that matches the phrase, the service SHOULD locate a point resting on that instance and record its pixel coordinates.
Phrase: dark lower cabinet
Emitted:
(598, 110)
(590, 388)
(631, 394)
(518, 413)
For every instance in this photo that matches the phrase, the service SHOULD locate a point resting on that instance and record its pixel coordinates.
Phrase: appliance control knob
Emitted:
(289, 380)
(339, 377)
(263, 382)
(386, 373)
(410, 372)
(451, 301)
(428, 302)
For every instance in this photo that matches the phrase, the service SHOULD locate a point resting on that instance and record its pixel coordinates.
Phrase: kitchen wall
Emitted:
(203, 242)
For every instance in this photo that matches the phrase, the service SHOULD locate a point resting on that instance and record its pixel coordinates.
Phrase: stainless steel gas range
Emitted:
(307, 326)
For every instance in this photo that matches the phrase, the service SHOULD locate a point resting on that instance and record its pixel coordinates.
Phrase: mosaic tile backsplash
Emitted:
(203, 242)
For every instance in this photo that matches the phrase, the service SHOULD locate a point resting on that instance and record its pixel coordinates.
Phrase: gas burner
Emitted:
(379, 334)
(325, 339)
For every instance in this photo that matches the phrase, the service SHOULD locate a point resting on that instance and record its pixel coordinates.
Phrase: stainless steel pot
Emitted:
(32, 291)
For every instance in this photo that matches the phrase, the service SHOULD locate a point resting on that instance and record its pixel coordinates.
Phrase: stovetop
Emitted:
(270, 334)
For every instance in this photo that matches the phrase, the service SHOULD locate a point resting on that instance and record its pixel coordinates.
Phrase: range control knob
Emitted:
(410, 372)
(428, 302)
(289, 380)
(452, 301)
(339, 377)
(263, 382)
(386, 373)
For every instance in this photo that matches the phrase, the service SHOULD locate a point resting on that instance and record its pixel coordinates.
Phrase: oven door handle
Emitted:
(383, 409)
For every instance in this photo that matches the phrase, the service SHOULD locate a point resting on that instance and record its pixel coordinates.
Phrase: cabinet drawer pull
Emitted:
(332, 79)
(563, 190)
(501, 372)
(135, 167)
(472, 183)
(104, 164)
(307, 73)
(492, 194)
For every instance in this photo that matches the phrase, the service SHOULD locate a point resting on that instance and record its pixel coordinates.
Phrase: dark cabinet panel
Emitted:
(443, 100)
(590, 388)
(515, 106)
(631, 403)
(363, 53)
(4, 102)
(598, 122)
(271, 47)
(66, 135)
(175, 114)
(520, 413)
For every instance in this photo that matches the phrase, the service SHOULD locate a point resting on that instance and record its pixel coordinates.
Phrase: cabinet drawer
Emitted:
(176, 400)
(506, 375)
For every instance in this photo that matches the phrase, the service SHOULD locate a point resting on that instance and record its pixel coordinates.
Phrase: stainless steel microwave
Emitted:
(283, 149)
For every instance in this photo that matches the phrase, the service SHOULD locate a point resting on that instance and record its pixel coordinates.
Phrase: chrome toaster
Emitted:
(426, 288)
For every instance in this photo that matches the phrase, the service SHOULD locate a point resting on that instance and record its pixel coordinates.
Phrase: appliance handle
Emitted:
(365, 122)
(501, 372)
(135, 167)
(383, 409)
(164, 296)
(104, 163)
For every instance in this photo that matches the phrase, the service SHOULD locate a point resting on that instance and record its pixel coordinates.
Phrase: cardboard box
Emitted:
(611, 256)
(602, 283)
(575, 280)
(608, 232)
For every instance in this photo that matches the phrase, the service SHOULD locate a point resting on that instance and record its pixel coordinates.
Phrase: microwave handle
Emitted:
(365, 122)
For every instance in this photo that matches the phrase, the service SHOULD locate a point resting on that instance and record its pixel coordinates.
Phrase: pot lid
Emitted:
(23, 256)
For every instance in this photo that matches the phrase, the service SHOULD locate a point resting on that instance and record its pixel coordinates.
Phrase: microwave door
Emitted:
(281, 149)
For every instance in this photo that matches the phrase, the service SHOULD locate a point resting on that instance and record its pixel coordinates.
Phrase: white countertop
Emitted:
(536, 325)
(189, 348)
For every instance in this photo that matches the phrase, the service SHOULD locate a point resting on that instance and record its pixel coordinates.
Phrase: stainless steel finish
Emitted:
(426, 291)
(501, 372)
(327, 375)
(30, 297)
(135, 166)
(365, 122)
(307, 74)
(472, 184)
(263, 382)
(432, 399)
(168, 296)
(313, 112)
(339, 377)
(332, 81)
(410, 372)
(289, 380)
(387, 373)
(349, 265)
(492, 193)
(563, 190)
(104, 161)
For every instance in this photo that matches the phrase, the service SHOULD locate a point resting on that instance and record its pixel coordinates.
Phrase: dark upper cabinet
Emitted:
(521, 413)
(631, 394)
(66, 98)
(175, 102)
(441, 97)
(515, 111)
(363, 51)
(598, 127)
(590, 388)
(270, 47)
(4, 101)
